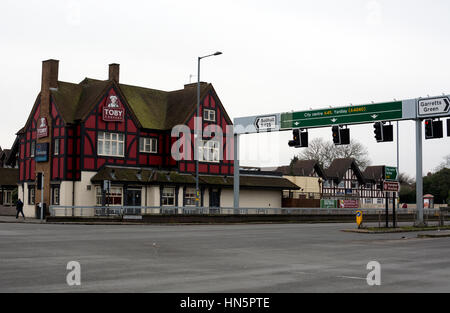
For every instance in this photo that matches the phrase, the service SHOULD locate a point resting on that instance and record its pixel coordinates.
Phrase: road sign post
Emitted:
(409, 109)
(394, 220)
(390, 173)
(236, 178)
(343, 115)
(419, 174)
(433, 107)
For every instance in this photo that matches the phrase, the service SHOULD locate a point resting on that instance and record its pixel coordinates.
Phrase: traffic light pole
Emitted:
(419, 174)
(236, 183)
(42, 197)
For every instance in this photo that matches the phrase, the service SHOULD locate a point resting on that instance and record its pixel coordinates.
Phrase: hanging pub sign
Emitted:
(113, 110)
(42, 130)
(41, 152)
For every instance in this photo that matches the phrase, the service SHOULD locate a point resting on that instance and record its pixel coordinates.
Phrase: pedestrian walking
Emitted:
(19, 208)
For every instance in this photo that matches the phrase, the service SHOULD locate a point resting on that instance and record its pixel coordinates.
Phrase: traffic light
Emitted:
(383, 133)
(300, 139)
(296, 141)
(448, 127)
(428, 129)
(341, 136)
(433, 129)
(438, 129)
(39, 181)
(345, 136)
(388, 133)
(378, 130)
(336, 135)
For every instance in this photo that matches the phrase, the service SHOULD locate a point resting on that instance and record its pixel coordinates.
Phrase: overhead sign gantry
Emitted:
(411, 109)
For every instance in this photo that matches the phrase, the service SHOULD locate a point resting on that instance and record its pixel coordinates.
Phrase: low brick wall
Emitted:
(7, 210)
(235, 219)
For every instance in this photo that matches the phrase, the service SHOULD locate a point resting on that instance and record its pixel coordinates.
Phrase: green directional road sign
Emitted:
(344, 115)
(390, 173)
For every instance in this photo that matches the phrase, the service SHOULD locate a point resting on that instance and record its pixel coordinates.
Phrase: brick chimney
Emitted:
(114, 72)
(49, 74)
(49, 81)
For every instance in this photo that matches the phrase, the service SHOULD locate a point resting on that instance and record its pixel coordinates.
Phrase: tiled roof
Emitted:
(9, 176)
(374, 173)
(339, 167)
(302, 168)
(153, 176)
(153, 109)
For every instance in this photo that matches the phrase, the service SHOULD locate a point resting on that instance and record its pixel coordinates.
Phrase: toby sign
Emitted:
(113, 110)
(42, 130)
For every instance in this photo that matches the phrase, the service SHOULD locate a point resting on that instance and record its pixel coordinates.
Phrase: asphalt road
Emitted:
(218, 258)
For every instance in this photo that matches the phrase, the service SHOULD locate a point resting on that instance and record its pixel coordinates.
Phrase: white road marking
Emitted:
(351, 277)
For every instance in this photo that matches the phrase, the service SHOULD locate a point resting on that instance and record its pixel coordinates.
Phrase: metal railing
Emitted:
(92, 211)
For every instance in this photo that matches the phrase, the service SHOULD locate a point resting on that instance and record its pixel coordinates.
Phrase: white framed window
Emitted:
(189, 197)
(33, 148)
(379, 200)
(168, 196)
(110, 144)
(56, 147)
(31, 195)
(209, 115)
(55, 195)
(368, 200)
(98, 196)
(7, 197)
(148, 145)
(208, 151)
(113, 197)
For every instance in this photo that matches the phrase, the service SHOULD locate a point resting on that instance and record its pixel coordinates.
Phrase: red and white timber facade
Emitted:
(79, 135)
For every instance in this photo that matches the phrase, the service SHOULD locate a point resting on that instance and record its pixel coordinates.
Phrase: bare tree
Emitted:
(325, 152)
(405, 179)
(444, 164)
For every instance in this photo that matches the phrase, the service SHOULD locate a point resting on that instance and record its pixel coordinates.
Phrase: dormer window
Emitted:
(209, 115)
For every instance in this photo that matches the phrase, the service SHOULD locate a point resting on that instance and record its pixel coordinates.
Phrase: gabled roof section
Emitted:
(30, 115)
(74, 101)
(339, 167)
(302, 168)
(374, 173)
(153, 109)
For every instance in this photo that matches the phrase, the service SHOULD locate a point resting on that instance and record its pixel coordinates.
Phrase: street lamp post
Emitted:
(198, 126)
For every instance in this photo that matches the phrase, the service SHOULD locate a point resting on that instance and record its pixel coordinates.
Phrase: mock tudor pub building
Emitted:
(81, 135)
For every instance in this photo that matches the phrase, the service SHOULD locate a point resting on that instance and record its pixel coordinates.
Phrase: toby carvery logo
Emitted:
(113, 110)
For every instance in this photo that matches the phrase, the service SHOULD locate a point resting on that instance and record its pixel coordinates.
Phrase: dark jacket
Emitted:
(19, 205)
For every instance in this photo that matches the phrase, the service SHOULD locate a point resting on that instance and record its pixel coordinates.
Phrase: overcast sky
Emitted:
(278, 56)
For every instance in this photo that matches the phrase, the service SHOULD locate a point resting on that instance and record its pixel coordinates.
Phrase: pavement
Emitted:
(218, 258)
(13, 219)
